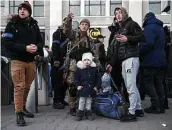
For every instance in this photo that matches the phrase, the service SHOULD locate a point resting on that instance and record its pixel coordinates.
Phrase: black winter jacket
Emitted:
(121, 51)
(59, 52)
(20, 33)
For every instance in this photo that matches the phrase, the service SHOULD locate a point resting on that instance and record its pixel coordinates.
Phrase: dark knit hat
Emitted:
(85, 21)
(25, 5)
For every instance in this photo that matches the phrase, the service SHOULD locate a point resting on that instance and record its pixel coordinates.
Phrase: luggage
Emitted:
(109, 105)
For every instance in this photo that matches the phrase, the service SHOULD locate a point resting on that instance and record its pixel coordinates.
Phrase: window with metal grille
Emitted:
(113, 5)
(13, 6)
(94, 8)
(2, 8)
(74, 7)
(155, 6)
(38, 8)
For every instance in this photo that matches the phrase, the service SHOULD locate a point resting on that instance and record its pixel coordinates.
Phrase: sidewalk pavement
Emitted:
(51, 119)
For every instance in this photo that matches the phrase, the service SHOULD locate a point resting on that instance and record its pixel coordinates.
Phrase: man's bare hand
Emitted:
(71, 15)
(31, 48)
(122, 38)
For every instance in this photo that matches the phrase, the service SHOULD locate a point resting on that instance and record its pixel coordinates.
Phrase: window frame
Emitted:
(153, 3)
(3, 1)
(78, 5)
(119, 2)
(101, 4)
(38, 5)
(13, 6)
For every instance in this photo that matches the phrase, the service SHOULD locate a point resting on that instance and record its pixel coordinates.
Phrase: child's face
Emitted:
(87, 62)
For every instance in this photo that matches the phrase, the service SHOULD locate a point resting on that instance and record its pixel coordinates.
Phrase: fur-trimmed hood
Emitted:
(14, 18)
(81, 65)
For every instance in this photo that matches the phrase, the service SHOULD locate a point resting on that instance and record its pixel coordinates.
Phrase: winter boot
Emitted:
(20, 119)
(26, 113)
(129, 118)
(89, 115)
(73, 111)
(58, 105)
(152, 110)
(79, 115)
(65, 103)
(139, 113)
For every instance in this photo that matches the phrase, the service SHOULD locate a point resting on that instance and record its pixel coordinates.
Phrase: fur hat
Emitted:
(85, 21)
(25, 5)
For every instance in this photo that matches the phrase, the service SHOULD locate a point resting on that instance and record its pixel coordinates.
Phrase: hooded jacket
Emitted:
(152, 51)
(121, 51)
(18, 34)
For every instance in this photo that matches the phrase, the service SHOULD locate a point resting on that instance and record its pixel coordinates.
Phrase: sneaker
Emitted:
(139, 113)
(58, 105)
(129, 118)
(152, 110)
(79, 115)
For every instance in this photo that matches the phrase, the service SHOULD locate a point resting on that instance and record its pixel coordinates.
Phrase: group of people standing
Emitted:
(78, 62)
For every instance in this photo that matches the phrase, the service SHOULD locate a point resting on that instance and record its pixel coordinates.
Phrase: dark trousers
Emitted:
(140, 83)
(153, 80)
(117, 78)
(57, 84)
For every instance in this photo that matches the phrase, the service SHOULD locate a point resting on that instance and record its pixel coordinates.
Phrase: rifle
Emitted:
(66, 63)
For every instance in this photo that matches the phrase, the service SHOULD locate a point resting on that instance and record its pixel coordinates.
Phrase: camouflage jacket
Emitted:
(87, 44)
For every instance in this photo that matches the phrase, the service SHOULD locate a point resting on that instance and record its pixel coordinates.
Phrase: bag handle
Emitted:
(114, 83)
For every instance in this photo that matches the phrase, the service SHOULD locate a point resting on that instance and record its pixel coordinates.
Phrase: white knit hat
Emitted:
(88, 56)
